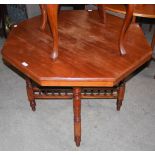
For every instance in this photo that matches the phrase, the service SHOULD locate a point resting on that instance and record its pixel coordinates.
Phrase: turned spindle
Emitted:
(120, 95)
(77, 115)
(30, 94)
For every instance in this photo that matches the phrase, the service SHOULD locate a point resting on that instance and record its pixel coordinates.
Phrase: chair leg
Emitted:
(77, 115)
(102, 13)
(44, 16)
(120, 97)
(30, 94)
(52, 12)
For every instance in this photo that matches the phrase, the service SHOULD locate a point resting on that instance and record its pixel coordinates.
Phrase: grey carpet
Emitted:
(51, 126)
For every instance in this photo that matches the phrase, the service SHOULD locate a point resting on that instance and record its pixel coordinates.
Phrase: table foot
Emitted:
(77, 115)
(119, 104)
(33, 105)
(120, 96)
(30, 94)
(77, 141)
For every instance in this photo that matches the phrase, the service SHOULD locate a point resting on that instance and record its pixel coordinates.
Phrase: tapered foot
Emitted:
(120, 97)
(77, 141)
(33, 105)
(119, 104)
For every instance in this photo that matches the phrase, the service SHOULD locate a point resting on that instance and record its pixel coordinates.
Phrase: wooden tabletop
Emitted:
(88, 50)
(141, 10)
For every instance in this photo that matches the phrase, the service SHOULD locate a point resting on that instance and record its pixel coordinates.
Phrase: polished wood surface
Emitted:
(77, 114)
(51, 11)
(126, 24)
(128, 18)
(140, 10)
(89, 63)
(89, 53)
(44, 16)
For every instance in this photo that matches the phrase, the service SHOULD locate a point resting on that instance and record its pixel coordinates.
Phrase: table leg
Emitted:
(120, 97)
(30, 94)
(127, 22)
(77, 115)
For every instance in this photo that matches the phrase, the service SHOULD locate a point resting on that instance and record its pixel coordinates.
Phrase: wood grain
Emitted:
(140, 10)
(88, 50)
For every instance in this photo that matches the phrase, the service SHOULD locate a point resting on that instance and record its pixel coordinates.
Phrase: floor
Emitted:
(103, 128)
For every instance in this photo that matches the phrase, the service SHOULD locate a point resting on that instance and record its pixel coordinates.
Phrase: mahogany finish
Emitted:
(44, 16)
(89, 64)
(36, 92)
(77, 115)
(51, 11)
(140, 10)
(127, 22)
(77, 67)
(120, 92)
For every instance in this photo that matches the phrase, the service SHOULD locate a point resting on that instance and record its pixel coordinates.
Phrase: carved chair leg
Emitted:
(30, 94)
(120, 97)
(52, 11)
(77, 115)
(127, 22)
(44, 16)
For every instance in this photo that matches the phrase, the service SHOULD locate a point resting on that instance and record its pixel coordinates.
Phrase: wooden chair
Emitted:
(52, 12)
(80, 57)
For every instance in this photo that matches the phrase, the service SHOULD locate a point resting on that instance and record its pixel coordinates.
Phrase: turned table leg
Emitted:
(120, 97)
(77, 115)
(30, 94)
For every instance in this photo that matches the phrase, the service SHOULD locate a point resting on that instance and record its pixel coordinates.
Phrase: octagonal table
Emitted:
(89, 63)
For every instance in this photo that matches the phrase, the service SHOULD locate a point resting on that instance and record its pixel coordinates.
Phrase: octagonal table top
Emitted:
(88, 50)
